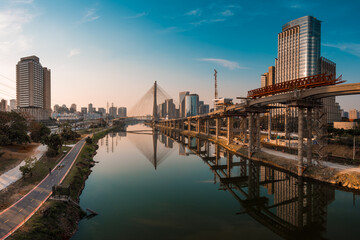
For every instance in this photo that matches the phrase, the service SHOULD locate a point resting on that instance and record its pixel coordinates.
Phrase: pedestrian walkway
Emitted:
(16, 215)
(15, 174)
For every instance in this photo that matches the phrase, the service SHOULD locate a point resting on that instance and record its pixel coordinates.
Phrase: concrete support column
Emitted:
(229, 129)
(207, 126)
(246, 126)
(258, 133)
(269, 125)
(229, 163)
(198, 125)
(309, 136)
(189, 125)
(300, 140)
(251, 129)
(217, 127)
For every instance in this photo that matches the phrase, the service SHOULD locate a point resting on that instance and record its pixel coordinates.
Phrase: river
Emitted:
(153, 187)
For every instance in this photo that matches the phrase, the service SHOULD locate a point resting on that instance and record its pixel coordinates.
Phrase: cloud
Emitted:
(11, 30)
(352, 48)
(195, 12)
(90, 15)
(227, 13)
(139, 15)
(23, 1)
(223, 62)
(74, 52)
(207, 21)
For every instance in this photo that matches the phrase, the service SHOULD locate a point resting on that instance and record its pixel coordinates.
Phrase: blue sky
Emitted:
(113, 51)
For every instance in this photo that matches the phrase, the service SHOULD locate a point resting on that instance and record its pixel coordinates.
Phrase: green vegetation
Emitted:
(28, 167)
(13, 128)
(38, 131)
(58, 220)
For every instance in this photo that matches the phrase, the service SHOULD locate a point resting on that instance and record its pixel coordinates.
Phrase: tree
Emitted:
(13, 128)
(38, 131)
(28, 167)
(54, 142)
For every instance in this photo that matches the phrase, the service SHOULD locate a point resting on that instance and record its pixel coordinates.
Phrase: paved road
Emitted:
(16, 215)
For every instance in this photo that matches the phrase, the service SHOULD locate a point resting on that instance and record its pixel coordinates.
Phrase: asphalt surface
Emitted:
(17, 214)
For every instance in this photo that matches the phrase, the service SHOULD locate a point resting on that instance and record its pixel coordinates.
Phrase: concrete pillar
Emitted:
(189, 124)
(229, 129)
(269, 125)
(309, 136)
(207, 126)
(229, 163)
(246, 126)
(217, 127)
(300, 140)
(251, 129)
(258, 133)
(287, 122)
(198, 125)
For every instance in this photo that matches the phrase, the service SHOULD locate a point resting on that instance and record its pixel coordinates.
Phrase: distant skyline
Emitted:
(113, 51)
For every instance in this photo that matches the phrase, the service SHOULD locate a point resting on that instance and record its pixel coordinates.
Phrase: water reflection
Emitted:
(286, 204)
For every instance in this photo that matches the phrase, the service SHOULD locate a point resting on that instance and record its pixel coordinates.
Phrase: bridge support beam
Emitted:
(207, 126)
(300, 140)
(269, 125)
(309, 136)
(198, 125)
(229, 129)
(258, 133)
(217, 127)
(251, 129)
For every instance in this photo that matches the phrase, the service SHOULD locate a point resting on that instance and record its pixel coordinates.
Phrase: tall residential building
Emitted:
(47, 89)
(112, 112)
(333, 111)
(12, 104)
(90, 108)
(3, 105)
(102, 111)
(83, 110)
(353, 114)
(170, 108)
(73, 107)
(122, 112)
(33, 88)
(191, 105)
(182, 102)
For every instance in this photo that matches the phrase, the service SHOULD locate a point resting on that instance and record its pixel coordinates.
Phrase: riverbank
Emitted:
(59, 219)
(344, 177)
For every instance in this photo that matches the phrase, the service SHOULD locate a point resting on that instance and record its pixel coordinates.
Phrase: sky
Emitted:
(113, 51)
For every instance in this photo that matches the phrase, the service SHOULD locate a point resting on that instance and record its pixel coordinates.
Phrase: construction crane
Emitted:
(216, 89)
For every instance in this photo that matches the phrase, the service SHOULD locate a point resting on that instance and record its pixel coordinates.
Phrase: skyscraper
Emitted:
(33, 88)
(299, 56)
(122, 112)
(182, 102)
(191, 105)
(73, 107)
(298, 49)
(47, 89)
(29, 83)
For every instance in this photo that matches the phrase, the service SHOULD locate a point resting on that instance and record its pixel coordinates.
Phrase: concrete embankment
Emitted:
(343, 176)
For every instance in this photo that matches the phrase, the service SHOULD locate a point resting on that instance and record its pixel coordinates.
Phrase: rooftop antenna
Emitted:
(216, 88)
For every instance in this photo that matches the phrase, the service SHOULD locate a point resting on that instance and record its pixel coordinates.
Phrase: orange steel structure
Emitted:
(300, 83)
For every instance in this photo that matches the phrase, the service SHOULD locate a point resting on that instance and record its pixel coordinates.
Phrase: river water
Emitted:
(151, 186)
